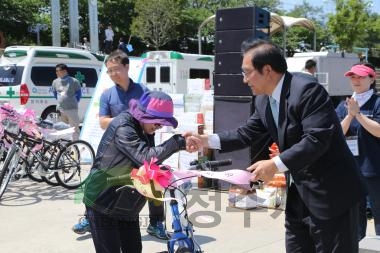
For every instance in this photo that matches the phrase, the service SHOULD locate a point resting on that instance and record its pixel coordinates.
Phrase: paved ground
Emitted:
(35, 217)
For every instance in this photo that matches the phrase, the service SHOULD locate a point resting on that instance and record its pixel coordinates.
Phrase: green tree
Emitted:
(196, 11)
(349, 24)
(15, 19)
(157, 21)
(373, 36)
(296, 35)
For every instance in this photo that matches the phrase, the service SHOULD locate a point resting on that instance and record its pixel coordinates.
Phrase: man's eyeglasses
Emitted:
(246, 73)
(113, 71)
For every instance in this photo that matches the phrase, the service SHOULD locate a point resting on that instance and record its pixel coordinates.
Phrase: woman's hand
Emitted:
(352, 107)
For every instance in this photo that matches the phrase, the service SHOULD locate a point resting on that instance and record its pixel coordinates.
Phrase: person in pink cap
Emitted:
(113, 214)
(360, 120)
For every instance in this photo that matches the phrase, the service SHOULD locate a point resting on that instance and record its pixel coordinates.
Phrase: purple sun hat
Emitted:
(154, 107)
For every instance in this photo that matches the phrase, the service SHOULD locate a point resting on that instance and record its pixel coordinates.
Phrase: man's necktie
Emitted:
(274, 108)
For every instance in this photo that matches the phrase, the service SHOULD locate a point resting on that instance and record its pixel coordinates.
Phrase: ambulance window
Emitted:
(10, 75)
(150, 74)
(85, 75)
(165, 74)
(199, 73)
(44, 76)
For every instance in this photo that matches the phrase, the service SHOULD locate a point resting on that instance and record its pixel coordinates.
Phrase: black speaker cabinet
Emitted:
(228, 63)
(230, 113)
(230, 40)
(242, 18)
(230, 85)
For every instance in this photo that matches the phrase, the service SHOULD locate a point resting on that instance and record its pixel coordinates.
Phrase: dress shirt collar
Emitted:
(276, 94)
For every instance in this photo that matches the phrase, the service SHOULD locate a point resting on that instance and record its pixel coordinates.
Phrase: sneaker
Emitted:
(82, 226)
(158, 231)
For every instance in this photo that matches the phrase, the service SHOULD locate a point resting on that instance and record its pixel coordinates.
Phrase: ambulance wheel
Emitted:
(50, 114)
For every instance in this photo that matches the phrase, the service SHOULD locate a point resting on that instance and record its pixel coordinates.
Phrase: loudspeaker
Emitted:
(230, 85)
(228, 63)
(230, 113)
(230, 40)
(242, 18)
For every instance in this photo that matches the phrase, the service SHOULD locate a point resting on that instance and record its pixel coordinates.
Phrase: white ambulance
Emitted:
(27, 72)
(169, 71)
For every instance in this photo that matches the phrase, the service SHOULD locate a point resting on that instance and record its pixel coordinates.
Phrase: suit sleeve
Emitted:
(313, 127)
(251, 134)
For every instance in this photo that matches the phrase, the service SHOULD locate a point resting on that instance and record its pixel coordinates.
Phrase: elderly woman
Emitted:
(113, 213)
(360, 118)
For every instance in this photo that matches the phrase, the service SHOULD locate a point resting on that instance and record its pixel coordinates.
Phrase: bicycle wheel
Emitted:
(3, 154)
(10, 165)
(74, 163)
(183, 250)
(31, 170)
(45, 167)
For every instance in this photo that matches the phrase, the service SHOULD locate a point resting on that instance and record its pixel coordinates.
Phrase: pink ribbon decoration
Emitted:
(152, 171)
(237, 177)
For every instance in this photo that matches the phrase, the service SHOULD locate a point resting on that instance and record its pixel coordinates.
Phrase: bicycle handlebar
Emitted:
(210, 165)
(7, 109)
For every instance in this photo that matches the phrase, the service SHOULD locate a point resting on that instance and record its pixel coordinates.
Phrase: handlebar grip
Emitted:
(6, 109)
(118, 180)
(220, 163)
(210, 165)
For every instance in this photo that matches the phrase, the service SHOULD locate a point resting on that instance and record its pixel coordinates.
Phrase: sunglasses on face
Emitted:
(157, 126)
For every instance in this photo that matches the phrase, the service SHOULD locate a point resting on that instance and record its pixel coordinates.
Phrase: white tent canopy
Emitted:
(283, 23)
(277, 24)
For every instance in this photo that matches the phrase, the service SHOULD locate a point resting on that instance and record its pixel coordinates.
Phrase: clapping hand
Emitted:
(352, 107)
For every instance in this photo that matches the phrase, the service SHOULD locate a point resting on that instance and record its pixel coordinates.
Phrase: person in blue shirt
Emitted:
(114, 101)
(360, 121)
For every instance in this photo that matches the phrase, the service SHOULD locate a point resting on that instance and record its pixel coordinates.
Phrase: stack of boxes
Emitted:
(194, 113)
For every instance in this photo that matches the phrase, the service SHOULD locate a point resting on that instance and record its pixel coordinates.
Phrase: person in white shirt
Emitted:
(109, 39)
(310, 67)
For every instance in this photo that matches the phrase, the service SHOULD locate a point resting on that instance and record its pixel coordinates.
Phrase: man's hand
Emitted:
(263, 170)
(193, 141)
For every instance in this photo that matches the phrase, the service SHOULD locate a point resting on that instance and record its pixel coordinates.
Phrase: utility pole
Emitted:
(55, 22)
(93, 24)
(74, 22)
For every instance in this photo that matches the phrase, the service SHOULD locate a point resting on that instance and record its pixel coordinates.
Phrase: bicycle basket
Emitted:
(11, 126)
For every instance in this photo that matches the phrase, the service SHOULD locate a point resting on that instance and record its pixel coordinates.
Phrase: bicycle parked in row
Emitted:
(25, 150)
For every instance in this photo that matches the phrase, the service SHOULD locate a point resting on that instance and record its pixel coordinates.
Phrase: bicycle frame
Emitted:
(184, 241)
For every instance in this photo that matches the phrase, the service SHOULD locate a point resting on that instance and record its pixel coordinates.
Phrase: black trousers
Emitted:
(156, 212)
(306, 233)
(113, 235)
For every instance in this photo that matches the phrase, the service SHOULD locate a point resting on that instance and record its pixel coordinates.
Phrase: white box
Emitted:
(241, 198)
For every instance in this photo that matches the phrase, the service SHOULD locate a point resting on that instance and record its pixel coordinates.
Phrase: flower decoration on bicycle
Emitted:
(151, 179)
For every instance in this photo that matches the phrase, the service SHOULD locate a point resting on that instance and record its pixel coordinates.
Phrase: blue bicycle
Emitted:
(182, 240)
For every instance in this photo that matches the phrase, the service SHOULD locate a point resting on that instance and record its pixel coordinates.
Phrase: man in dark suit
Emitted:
(296, 112)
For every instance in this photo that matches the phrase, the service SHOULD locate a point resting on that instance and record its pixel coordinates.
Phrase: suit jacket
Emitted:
(311, 143)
